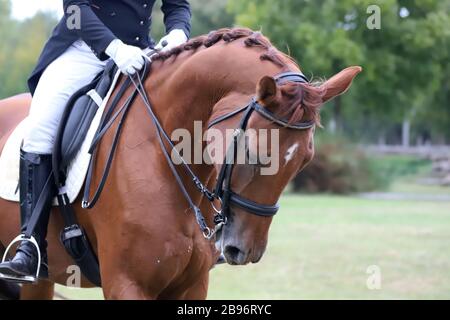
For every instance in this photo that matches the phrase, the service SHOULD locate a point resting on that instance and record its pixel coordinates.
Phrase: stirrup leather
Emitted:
(24, 279)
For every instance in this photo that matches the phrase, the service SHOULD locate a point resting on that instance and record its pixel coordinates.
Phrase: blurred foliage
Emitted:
(339, 167)
(207, 15)
(22, 41)
(406, 69)
(392, 167)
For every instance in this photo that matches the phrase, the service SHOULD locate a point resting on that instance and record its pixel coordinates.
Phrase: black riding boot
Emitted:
(34, 172)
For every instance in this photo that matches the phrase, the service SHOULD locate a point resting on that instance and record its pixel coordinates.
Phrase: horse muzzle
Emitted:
(236, 255)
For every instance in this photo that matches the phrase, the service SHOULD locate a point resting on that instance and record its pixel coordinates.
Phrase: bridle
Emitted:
(222, 191)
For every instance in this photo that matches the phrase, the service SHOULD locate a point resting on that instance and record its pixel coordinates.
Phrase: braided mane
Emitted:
(253, 39)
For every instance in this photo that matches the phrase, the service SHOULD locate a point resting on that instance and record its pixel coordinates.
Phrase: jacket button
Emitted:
(145, 5)
(137, 38)
(141, 23)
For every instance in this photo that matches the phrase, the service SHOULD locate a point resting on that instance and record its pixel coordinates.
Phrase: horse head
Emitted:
(280, 145)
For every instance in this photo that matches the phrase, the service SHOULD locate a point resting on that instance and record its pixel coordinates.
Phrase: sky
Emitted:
(22, 9)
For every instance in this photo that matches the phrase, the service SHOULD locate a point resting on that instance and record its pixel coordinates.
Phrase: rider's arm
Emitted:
(177, 18)
(91, 29)
(102, 41)
(177, 15)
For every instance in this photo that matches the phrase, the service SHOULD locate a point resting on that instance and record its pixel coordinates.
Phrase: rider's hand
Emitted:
(175, 38)
(128, 58)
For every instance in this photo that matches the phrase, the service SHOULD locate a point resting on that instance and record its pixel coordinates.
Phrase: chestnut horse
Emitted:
(147, 239)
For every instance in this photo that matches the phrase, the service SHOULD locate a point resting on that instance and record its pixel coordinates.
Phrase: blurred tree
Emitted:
(22, 42)
(210, 15)
(405, 62)
(6, 26)
(23, 52)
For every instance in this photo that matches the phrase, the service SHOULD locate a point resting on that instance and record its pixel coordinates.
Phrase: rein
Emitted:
(222, 191)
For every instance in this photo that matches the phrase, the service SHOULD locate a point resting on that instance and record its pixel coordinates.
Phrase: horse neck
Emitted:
(186, 88)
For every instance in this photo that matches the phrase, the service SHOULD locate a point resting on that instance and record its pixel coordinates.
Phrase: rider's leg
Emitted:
(72, 70)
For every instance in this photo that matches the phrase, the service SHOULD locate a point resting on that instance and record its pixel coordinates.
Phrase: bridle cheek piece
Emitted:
(223, 189)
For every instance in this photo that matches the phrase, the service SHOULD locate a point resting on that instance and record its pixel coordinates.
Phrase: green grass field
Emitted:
(321, 246)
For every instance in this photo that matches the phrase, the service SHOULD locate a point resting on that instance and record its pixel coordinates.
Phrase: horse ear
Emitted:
(266, 90)
(340, 83)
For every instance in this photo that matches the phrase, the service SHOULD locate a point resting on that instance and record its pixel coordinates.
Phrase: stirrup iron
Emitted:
(23, 279)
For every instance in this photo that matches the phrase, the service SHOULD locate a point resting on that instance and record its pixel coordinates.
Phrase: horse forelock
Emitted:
(302, 100)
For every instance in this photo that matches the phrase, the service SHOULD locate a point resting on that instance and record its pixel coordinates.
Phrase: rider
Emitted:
(91, 32)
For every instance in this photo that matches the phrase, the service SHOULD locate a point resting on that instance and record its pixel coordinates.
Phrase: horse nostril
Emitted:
(233, 254)
(232, 251)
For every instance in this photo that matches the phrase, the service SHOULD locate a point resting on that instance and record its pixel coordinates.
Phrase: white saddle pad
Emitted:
(10, 158)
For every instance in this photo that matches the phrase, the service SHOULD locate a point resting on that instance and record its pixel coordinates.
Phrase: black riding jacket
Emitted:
(98, 22)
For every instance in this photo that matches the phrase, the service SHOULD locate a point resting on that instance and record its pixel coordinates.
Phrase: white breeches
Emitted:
(74, 69)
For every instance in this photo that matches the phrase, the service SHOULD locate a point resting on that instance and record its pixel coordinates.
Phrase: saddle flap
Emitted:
(78, 115)
(76, 128)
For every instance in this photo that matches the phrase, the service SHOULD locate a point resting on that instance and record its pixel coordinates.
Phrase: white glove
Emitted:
(128, 58)
(175, 38)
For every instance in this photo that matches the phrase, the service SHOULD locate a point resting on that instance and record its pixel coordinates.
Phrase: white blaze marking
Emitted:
(290, 153)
